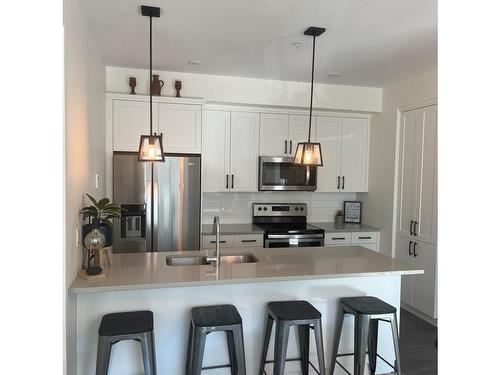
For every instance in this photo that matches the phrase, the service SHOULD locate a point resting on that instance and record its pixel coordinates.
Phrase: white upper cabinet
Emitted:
(273, 135)
(181, 127)
(298, 131)
(244, 151)
(230, 151)
(417, 216)
(354, 159)
(130, 121)
(329, 134)
(216, 143)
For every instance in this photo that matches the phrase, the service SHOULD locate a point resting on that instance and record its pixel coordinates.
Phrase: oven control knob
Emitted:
(265, 208)
(302, 208)
(296, 208)
(260, 208)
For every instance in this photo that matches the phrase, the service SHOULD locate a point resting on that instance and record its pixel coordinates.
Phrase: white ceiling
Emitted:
(368, 42)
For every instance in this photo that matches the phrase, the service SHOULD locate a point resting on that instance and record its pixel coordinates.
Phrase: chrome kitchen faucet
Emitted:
(216, 230)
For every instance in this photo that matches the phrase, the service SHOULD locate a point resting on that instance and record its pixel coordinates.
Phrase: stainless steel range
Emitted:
(285, 225)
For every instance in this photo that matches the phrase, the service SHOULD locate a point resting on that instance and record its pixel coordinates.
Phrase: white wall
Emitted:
(237, 207)
(378, 204)
(251, 90)
(84, 144)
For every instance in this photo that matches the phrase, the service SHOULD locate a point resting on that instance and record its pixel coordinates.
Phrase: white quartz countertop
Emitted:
(228, 229)
(344, 227)
(149, 270)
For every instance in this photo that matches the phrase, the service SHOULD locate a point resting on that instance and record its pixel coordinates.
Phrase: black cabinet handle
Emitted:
(227, 181)
(414, 249)
(290, 147)
(248, 240)
(338, 182)
(365, 238)
(411, 227)
(415, 223)
(219, 241)
(343, 182)
(232, 181)
(286, 144)
(338, 238)
(409, 248)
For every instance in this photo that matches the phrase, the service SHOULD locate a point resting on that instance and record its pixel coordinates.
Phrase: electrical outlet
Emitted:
(97, 180)
(77, 237)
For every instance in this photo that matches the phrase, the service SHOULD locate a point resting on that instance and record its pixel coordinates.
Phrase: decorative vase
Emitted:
(178, 87)
(339, 219)
(156, 85)
(132, 83)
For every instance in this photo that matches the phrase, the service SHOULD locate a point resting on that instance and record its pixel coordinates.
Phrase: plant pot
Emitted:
(339, 219)
(105, 229)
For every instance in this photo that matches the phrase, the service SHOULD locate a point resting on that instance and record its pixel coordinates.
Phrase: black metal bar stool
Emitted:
(207, 319)
(133, 325)
(367, 311)
(286, 314)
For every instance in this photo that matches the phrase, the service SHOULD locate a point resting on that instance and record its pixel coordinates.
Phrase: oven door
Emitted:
(300, 240)
(281, 173)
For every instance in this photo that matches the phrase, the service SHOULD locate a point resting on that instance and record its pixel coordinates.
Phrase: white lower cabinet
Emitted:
(418, 291)
(236, 240)
(365, 239)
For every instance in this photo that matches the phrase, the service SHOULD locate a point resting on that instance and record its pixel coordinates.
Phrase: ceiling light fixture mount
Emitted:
(151, 145)
(309, 153)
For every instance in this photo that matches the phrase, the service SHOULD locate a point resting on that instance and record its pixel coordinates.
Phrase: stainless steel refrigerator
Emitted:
(176, 205)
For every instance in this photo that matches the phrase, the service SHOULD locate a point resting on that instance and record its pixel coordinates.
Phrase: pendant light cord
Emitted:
(150, 75)
(312, 87)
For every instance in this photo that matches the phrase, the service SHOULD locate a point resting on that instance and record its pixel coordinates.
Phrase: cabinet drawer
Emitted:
(364, 237)
(343, 238)
(225, 241)
(248, 240)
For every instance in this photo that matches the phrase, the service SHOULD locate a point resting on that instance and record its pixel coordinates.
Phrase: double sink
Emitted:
(199, 260)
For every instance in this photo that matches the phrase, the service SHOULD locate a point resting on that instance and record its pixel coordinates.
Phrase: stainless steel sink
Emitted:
(198, 260)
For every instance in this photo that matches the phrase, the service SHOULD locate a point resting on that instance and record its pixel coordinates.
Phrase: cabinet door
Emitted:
(244, 151)
(354, 159)
(225, 242)
(338, 239)
(130, 121)
(403, 249)
(424, 286)
(329, 134)
(273, 135)
(216, 141)
(426, 178)
(181, 127)
(407, 166)
(298, 131)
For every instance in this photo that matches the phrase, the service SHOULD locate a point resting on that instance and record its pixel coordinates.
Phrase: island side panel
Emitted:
(171, 311)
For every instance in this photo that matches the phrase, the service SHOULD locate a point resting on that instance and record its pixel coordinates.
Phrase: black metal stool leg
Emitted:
(189, 354)
(395, 340)
(148, 353)
(240, 350)
(231, 352)
(336, 341)
(318, 335)
(303, 337)
(103, 355)
(280, 346)
(265, 346)
(361, 326)
(198, 350)
(372, 345)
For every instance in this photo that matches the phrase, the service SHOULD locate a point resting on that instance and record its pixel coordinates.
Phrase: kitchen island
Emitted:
(320, 275)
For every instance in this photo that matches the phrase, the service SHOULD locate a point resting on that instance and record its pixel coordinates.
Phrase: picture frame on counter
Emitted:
(352, 212)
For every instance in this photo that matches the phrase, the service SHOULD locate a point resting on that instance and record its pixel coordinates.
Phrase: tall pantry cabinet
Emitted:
(416, 230)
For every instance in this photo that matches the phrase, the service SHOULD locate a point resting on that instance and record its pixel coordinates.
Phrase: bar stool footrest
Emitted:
(347, 354)
(293, 359)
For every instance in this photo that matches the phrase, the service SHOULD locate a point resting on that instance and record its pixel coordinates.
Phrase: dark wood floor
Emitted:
(417, 345)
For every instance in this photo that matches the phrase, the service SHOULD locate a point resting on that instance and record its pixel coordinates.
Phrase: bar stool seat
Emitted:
(305, 317)
(367, 311)
(207, 319)
(131, 325)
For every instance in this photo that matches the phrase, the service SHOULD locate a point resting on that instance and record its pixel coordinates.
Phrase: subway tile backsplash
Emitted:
(237, 207)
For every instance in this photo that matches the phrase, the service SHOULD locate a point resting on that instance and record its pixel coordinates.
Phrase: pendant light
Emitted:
(309, 153)
(151, 146)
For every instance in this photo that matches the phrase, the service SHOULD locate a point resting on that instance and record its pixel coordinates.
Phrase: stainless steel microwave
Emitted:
(281, 173)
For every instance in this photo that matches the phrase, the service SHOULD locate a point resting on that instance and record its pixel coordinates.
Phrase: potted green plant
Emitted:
(100, 214)
(339, 216)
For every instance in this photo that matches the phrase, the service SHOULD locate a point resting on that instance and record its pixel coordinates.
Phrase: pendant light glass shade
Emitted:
(308, 153)
(151, 148)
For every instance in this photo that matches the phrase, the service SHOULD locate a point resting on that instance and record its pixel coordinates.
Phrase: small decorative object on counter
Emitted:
(352, 212)
(156, 85)
(132, 82)
(339, 217)
(178, 87)
(94, 241)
